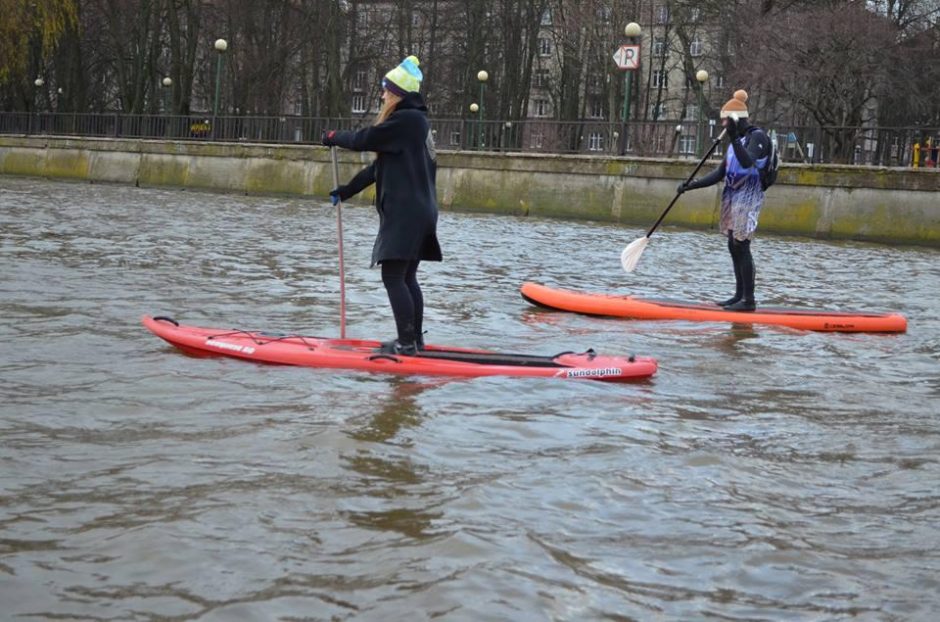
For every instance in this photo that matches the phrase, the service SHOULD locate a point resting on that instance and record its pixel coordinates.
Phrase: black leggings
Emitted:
(404, 294)
(744, 273)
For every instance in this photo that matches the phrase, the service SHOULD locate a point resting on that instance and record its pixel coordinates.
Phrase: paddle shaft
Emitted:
(339, 231)
(691, 177)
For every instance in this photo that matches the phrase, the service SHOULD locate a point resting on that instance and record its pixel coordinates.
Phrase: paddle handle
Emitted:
(691, 177)
(339, 232)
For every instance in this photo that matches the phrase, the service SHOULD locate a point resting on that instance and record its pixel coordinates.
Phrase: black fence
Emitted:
(894, 146)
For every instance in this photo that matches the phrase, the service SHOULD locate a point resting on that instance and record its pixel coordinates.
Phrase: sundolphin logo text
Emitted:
(590, 373)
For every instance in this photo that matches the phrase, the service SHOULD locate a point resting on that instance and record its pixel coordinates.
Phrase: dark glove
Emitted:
(732, 127)
(682, 187)
(327, 138)
(334, 196)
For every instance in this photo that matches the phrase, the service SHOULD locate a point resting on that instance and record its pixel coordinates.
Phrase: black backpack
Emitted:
(768, 174)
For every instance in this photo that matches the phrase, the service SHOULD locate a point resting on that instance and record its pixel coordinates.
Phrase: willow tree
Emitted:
(30, 32)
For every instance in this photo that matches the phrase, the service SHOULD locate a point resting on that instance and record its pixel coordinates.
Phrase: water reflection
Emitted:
(399, 410)
(392, 479)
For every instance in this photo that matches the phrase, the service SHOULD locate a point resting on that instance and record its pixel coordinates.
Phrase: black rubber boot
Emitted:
(397, 347)
(738, 287)
(742, 305)
(738, 279)
(746, 261)
(406, 343)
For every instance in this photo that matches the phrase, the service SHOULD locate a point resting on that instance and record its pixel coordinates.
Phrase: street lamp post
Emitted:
(167, 83)
(39, 82)
(482, 76)
(167, 102)
(631, 30)
(474, 108)
(220, 46)
(702, 77)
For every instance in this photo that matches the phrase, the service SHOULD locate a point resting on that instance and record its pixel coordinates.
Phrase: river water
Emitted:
(763, 474)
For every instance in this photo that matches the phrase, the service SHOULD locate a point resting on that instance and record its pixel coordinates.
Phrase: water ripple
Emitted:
(764, 473)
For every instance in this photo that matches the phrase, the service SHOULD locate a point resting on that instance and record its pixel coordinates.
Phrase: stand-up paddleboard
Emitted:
(655, 309)
(357, 354)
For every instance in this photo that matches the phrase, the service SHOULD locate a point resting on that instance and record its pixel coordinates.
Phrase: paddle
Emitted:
(631, 254)
(339, 230)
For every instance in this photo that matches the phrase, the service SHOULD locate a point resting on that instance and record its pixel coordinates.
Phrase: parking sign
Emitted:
(627, 57)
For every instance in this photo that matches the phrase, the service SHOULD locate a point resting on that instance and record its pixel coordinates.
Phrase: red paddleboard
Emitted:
(362, 355)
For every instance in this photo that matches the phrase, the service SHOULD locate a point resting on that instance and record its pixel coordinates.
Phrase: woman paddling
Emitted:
(404, 174)
(742, 196)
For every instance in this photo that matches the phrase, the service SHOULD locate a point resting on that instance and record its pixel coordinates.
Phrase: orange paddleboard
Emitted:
(655, 309)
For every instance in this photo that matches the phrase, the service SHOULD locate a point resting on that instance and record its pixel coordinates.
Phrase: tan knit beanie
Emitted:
(737, 105)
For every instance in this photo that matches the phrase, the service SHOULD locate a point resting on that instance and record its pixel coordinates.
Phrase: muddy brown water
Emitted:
(763, 474)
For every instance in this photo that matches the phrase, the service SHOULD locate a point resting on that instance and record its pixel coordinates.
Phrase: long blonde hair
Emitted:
(388, 106)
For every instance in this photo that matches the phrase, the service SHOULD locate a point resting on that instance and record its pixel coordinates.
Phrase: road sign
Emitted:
(627, 57)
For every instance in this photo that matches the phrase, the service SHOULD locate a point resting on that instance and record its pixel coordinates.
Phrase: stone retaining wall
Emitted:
(893, 205)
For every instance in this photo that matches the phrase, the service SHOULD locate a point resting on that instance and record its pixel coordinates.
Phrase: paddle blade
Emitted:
(631, 254)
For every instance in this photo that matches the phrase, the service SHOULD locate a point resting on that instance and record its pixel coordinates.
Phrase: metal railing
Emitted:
(889, 146)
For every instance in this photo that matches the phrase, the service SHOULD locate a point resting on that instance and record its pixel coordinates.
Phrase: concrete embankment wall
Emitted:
(893, 205)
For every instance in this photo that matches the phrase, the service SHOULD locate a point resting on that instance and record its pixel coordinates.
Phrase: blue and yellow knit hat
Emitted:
(404, 79)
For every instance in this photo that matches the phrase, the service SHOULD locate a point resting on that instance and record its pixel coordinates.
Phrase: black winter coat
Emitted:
(404, 174)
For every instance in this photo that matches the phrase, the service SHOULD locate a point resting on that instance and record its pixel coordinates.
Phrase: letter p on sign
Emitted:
(627, 57)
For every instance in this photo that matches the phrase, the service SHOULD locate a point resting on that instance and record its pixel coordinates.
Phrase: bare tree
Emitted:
(130, 46)
(828, 61)
(184, 26)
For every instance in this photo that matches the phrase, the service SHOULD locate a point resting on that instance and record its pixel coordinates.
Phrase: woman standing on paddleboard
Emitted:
(404, 173)
(742, 196)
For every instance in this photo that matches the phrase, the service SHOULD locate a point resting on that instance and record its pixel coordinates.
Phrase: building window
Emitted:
(662, 15)
(359, 103)
(695, 14)
(695, 48)
(720, 81)
(547, 17)
(657, 110)
(541, 78)
(687, 143)
(691, 112)
(596, 141)
(541, 107)
(545, 46)
(359, 80)
(660, 79)
(455, 137)
(596, 109)
(604, 14)
(659, 46)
